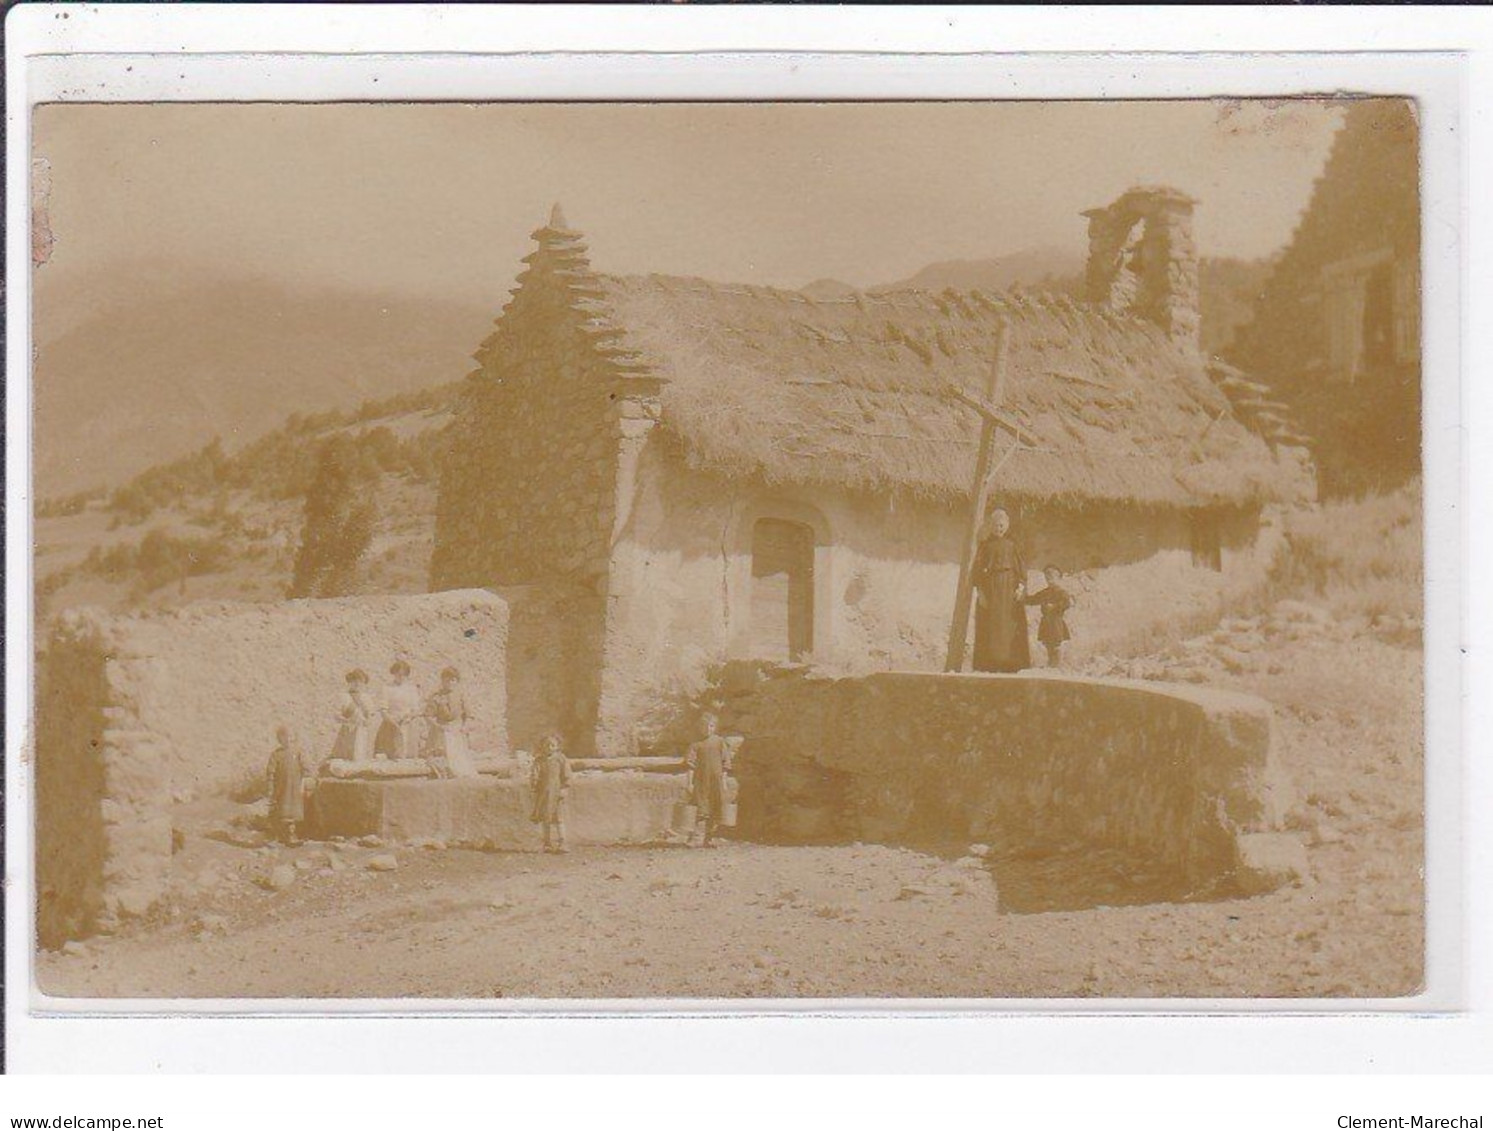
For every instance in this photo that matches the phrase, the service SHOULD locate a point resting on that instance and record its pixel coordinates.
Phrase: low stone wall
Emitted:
(1031, 761)
(133, 712)
(603, 808)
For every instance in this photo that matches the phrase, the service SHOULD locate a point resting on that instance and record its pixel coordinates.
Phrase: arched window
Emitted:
(782, 600)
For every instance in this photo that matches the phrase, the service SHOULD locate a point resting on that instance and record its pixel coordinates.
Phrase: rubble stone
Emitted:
(1270, 860)
(280, 877)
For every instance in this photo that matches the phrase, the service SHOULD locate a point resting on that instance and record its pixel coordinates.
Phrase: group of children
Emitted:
(402, 724)
(708, 762)
(290, 776)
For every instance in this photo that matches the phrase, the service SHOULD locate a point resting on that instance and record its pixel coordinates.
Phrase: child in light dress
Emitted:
(401, 733)
(447, 712)
(357, 716)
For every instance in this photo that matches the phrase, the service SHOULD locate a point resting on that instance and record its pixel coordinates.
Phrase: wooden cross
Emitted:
(992, 419)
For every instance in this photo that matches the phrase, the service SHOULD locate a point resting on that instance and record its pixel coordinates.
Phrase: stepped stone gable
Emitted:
(532, 494)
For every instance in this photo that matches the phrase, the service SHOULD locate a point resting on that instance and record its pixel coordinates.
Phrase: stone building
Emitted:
(1336, 332)
(684, 472)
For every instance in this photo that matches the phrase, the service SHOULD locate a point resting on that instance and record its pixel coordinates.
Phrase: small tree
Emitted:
(339, 521)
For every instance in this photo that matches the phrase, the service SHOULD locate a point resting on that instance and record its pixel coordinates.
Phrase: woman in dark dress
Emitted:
(1001, 643)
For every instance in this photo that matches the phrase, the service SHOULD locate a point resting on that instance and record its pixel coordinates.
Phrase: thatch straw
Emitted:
(854, 392)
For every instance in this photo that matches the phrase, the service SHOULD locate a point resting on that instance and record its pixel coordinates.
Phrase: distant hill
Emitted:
(1033, 267)
(150, 362)
(828, 288)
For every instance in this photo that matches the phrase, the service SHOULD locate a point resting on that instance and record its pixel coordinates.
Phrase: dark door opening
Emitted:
(782, 590)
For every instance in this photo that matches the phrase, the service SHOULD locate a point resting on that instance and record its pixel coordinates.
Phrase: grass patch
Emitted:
(1358, 558)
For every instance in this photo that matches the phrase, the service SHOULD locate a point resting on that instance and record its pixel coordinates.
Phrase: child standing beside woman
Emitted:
(1054, 601)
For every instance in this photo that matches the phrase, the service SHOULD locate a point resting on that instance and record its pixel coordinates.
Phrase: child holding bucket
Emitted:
(708, 761)
(550, 780)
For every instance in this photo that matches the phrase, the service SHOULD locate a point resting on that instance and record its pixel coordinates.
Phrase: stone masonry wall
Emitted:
(1142, 258)
(102, 783)
(532, 478)
(134, 712)
(1180, 775)
(551, 681)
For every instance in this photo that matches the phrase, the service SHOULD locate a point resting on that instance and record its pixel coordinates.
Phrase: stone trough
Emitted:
(613, 807)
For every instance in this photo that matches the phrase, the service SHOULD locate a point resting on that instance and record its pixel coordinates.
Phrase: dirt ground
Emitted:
(747, 921)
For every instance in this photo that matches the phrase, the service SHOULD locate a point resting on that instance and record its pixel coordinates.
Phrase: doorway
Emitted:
(782, 607)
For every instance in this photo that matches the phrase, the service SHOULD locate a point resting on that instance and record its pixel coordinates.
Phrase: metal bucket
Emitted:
(728, 814)
(685, 817)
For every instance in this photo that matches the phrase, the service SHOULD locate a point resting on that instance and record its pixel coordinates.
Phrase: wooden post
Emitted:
(964, 597)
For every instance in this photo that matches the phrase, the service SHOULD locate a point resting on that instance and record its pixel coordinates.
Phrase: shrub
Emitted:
(158, 559)
(66, 505)
(340, 517)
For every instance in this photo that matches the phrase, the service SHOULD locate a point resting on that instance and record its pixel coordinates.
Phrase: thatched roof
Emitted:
(853, 391)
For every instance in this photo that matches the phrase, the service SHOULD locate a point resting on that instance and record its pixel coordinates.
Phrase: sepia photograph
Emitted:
(747, 552)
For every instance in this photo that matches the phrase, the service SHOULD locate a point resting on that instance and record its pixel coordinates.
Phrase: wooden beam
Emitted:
(991, 413)
(964, 596)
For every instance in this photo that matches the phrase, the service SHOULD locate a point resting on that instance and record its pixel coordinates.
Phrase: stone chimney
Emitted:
(1142, 260)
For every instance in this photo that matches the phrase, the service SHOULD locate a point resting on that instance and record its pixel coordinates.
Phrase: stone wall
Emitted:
(1142, 258)
(133, 712)
(528, 477)
(1181, 776)
(885, 576)
(535, 471)
(102, 783)
(552, 683)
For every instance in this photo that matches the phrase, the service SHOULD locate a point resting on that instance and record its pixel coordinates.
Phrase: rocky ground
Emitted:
(750, 921)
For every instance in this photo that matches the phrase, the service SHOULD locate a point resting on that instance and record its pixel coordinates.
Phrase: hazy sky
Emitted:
(443, 197)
